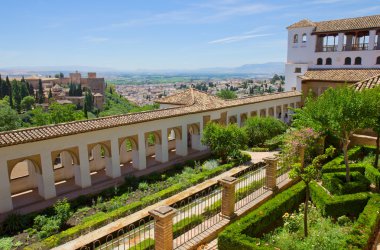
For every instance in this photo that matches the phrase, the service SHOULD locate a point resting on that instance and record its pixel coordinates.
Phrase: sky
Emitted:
(157, 34)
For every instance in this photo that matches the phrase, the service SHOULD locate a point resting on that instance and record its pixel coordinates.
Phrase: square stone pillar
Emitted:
(114, 170)
(271, 173)
(142, 151)
(46, 183)
(228, 197)
(82, 171)
(5, 188)
(163, 227)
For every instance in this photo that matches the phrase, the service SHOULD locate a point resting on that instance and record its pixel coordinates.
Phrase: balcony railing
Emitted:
(355, 47)
(327, 48)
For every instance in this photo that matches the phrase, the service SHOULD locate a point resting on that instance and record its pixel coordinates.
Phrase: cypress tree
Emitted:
(9, 91)
(50, 94)
(24, 89)
(1, 88)
(30, 88)
(41, 96)
(16, 91)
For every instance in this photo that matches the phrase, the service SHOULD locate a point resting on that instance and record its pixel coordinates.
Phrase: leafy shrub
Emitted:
(365, 226)
(323, 233)
(62, 210)
(14, 223)
(210, 164)
(239, 235)
(335, 206)
(343, 220)
(7, 243)
(260, 129)
(143, 186)
(337, 185)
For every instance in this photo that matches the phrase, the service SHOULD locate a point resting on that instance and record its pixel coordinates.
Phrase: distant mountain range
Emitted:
(269, 68)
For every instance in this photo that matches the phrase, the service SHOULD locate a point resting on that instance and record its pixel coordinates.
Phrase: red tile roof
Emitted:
(202, 103)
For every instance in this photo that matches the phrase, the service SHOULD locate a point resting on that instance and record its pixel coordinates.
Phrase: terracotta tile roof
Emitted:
(368, 83)
(201, 104)
(339, 75)
(356, 23)
(301, 24)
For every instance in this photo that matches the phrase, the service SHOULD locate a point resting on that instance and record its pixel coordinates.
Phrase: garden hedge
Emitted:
(365, 227)
(240, 234)
(336, 183)
(373, 175)
(338, 205)
(186, 223)
(100, 219)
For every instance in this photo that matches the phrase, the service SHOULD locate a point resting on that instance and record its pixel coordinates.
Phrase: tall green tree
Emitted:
(226, 94)
(27, 102)
(39, 117)
(339, 111)
(9, 91)
(224, 141)
(41, 95)
(16, 89)
(50, 95)
(24, 91)
(372, 98)
(9, 117)
(298, 153)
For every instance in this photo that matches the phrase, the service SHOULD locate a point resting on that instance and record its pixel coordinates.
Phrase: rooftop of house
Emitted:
(339, 75)
(199, 102)
(369, 83)
(346, 24)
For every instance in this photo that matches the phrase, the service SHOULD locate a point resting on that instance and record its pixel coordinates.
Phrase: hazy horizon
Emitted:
(158, 35)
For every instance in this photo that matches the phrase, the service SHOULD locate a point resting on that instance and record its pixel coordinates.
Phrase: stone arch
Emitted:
(157, 137)
(133, 141)
(263, 113)
(194, 129)
(36, 163)
(73, 152)
(253, 113)
(232, 119)
(177, 133)
(271, 112)
(105, 145)
(243, 118)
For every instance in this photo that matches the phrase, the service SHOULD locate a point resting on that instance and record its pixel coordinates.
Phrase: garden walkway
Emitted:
(119, 224)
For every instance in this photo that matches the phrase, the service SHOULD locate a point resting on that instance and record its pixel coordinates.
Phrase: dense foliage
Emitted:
(260, 129)
(226, 94)
(224, 141)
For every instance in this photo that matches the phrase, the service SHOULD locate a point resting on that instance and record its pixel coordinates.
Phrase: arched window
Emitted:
(347, 61)
(319, 61)
(304, 38)
(295, 38)
(358, 60)
(328, 61)
(378, 60)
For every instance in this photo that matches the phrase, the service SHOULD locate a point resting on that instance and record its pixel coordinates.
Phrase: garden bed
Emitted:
(139, 193)
(336, 183)
(325, 232)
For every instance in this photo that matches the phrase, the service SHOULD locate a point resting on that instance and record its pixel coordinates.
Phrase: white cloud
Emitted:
(233, 39)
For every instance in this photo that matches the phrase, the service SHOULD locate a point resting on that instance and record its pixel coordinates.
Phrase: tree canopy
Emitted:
(226, 94)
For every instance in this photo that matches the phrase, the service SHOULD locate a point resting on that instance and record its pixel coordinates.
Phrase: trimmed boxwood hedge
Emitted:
(373, 175)
(100, 219)
(186, 223)
(365, 226)
(240, 234)
(144, 245)
(338, 205)
(337, 185)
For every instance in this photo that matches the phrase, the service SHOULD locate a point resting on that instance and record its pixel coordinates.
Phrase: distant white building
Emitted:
(329, 53)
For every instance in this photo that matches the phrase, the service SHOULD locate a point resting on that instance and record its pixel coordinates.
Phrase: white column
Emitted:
(182, 144)
(340, 41)
(5, 188)
(67, 163)
(46, 185)
(141, 151)
(162, 151)
(238, 119)
(82, 172)
(372, 37)
(113, 169)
